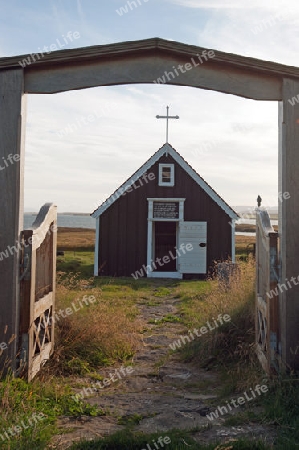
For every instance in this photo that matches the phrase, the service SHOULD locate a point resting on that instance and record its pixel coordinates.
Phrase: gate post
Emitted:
(288, 181)
(12, 126)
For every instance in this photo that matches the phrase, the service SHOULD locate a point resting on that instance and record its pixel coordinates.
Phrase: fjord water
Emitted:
(65, 220)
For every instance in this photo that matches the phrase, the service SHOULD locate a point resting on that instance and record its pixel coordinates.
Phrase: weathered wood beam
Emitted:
(289, 224)
(149, 69)
(141, 47)
(225, 72)
(12, 122)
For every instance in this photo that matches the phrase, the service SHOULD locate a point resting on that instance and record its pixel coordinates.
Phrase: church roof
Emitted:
(166, 148)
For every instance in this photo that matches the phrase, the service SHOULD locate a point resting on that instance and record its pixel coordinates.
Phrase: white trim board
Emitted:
(177, 275)
(166, 199)
(167, 148)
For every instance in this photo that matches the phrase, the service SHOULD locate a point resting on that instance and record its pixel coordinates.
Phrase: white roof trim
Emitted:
(145, 167)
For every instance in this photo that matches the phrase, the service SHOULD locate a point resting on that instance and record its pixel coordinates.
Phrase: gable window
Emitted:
(166, 174)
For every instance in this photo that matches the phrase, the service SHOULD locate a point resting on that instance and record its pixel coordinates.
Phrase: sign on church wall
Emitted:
(166, 210)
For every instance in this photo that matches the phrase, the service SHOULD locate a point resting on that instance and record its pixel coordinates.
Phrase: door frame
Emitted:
(151, 239)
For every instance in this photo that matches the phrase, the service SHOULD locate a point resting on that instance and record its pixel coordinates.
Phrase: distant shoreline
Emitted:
(249, 228)
(74, 229)
(243, 228)
(88, 224)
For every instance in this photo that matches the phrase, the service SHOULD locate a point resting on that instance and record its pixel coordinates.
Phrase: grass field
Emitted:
(75, 239)
(78, 245)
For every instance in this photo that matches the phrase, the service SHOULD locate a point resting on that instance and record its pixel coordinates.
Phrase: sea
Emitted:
(65, 220)
(85, 221)
(250, 222)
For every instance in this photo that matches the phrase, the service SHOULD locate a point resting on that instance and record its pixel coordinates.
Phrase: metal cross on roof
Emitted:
(167, 117)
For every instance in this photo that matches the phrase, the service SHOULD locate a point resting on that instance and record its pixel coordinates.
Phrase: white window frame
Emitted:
(163, 183)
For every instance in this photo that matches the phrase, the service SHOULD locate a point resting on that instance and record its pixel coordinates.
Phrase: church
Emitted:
(165, 221)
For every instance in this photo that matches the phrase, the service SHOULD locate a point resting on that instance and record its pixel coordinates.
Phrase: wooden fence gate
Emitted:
(38, 278)
(267, 302)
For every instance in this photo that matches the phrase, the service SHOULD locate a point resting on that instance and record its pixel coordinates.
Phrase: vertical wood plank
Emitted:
(289, 224)
(273, 303)
(25, 302)
(54, 258)
(32, 304)
(233, 257)
(96, 252)
(12, 123)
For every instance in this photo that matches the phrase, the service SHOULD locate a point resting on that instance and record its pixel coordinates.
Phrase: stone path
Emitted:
(162, 393)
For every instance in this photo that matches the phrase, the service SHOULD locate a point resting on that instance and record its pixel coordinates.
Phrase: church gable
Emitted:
(167, 159)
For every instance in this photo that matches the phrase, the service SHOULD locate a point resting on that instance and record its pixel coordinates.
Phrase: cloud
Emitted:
(80, 9)
(260, 33)
(234, 4)
(88, 164)
(215, 4)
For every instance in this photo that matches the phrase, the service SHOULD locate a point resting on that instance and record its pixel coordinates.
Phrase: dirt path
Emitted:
(162, 393)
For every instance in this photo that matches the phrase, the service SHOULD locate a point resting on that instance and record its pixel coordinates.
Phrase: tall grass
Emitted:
(20, 402)
(281, 410)
(230, 346)
(101, 333)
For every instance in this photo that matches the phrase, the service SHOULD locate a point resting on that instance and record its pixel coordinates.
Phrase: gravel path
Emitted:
(162, 392)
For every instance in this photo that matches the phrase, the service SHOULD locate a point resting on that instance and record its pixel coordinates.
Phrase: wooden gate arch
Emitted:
(144, 62)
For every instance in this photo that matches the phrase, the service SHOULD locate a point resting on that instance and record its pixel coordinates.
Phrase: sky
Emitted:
(76, 162)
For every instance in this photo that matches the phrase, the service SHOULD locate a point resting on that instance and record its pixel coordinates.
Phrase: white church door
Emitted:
(193, 258)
